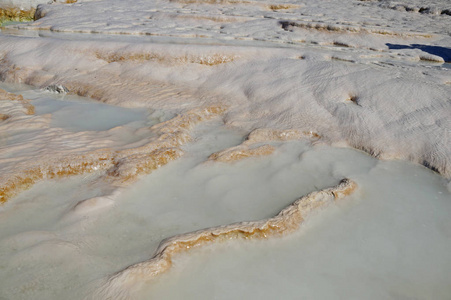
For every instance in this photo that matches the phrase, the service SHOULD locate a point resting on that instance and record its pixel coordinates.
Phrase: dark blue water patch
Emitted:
(443, 52)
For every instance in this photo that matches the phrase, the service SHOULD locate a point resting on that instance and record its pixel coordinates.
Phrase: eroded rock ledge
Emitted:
(27, 107)
(286, 221)
(256, 144)
(121, 166)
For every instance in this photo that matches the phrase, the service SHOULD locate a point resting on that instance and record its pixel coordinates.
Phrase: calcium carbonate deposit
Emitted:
(229, 149)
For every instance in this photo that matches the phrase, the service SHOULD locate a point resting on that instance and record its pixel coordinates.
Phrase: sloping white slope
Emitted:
(389, 106)
(360, 79)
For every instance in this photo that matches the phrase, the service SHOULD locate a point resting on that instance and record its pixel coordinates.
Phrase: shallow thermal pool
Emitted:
(74, 113)
(391, 239)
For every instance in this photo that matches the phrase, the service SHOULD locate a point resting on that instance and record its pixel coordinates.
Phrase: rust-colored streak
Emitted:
(249, 147)
(16, 14)
(282, 6)
(28, 107)
(241, 152)
(4, 117)
(209, 60)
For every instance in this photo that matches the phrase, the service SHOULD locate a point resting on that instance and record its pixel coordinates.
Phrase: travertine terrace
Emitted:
(134, 131)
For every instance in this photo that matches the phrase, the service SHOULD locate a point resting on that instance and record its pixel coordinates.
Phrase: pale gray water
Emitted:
(390, 240)
(74, 113)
